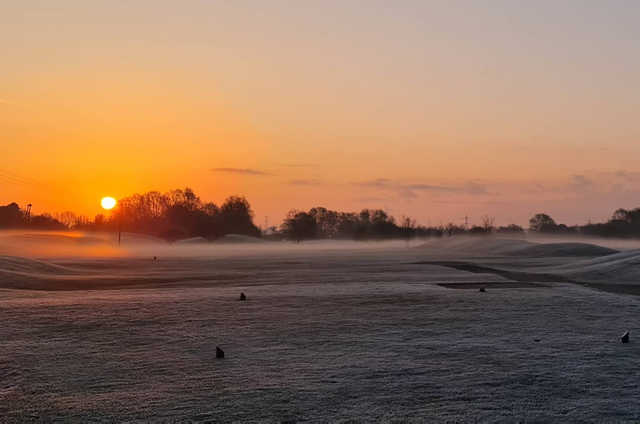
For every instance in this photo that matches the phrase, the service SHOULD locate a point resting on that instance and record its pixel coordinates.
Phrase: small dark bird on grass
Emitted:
(243, 297)
(625, 338)
(482, 290)
(219, 353)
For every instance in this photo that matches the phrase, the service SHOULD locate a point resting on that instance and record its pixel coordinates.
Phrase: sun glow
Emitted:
(108, 203)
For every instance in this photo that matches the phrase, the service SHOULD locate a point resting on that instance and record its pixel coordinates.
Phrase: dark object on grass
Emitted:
(482, 290)
(219, 353)
(243, 297)
(625, 338)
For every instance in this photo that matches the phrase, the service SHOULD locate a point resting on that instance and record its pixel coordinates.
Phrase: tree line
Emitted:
(180, 214)
(174, 215)
(624, 223)
(374, 224)
(11, 216)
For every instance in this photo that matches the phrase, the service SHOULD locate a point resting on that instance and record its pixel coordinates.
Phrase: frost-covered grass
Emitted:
(326, 336)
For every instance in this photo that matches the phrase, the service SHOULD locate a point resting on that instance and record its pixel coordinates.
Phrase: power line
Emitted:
(11, 180)
(15, 178)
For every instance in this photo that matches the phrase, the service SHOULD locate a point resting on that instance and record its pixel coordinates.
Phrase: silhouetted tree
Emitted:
(511, 229)
(452, 229)
(623, 223)
(68, 218)
(542, 223)
(348, 223)
(327, 222)
(299, 226)
(488, 223)
(237, 217)
(621, 215)
(180, 214)
(99, 220)
(46, 222)
(477, 230)
(408, 228)
(11, 216)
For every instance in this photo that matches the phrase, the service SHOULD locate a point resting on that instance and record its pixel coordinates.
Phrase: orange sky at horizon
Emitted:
(338, 105)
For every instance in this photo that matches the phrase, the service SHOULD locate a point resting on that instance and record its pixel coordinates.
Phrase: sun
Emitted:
(108, 202)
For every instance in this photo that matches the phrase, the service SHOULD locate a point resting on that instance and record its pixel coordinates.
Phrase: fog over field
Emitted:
(331, 331)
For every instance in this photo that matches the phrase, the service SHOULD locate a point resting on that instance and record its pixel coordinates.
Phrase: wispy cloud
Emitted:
(377, 183)
(241, 171)
(297, 165)
(629, 176)
(428, 187)
(305, 182)
(371, 199)
(475, 188)
(409, 191)
(581, 183)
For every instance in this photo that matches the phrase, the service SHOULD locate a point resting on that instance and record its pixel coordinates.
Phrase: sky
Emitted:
(433, 109)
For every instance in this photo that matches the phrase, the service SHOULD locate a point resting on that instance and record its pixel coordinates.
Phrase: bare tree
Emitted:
(68, 218)
(488, 223)
(408, 228)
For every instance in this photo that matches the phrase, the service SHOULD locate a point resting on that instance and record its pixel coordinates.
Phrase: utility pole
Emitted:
(29, 212)
(109, 203)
